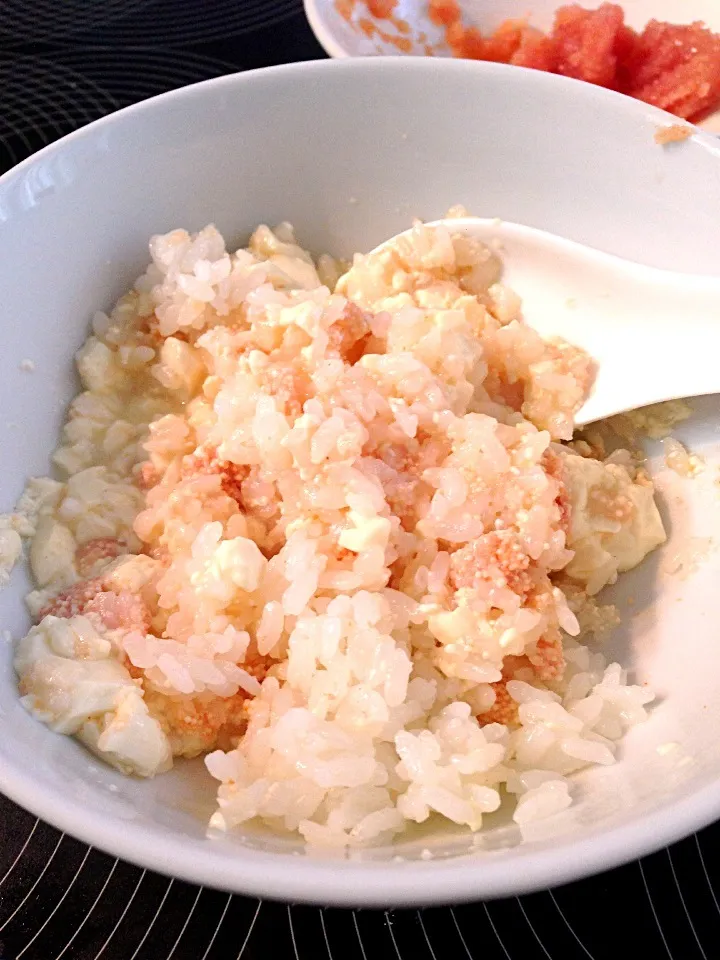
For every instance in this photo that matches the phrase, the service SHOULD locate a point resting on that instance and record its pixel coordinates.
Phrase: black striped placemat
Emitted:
(64, 63)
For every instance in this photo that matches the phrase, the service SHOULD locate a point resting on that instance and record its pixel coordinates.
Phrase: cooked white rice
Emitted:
(331, 540)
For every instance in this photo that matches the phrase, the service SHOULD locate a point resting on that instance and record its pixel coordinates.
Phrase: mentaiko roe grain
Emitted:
(675, 67)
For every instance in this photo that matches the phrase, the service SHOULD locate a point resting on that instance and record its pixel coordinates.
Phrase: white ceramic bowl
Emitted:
(350, 151)
(344, 28)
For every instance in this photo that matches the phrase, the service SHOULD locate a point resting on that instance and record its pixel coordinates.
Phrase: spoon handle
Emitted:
(661, 341)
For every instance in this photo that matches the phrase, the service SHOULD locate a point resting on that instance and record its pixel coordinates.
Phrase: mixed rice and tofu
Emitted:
(329, 529)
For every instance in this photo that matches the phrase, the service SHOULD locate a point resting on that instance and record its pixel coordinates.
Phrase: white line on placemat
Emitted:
(427, 938)
(17, 858)
(217, 928)
(532, 928)
(324, 930)
(89, 913)
(152, 924)
(357, 931)
(654, 912)
(250, 930)
(684, 905)
(122, 917)
(292, 932)
(388, 923)
(497, 935)
(32, 888)
(707, 875)
(459, 933)
(57, 905)
(187, 921)
(570, 928)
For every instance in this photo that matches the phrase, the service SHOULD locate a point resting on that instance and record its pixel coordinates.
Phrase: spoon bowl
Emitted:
(653, 334)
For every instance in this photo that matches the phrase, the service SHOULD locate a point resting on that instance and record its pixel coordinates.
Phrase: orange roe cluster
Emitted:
(382, 9)
(504, 710)
(675, 67)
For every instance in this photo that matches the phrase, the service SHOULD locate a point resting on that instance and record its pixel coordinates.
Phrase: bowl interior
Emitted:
(350, 152)
(345, 28)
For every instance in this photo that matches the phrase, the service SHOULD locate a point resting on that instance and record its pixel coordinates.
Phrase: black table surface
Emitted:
(64, 63)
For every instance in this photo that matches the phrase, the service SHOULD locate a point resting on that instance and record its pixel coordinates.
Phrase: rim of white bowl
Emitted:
(323, 34)
(312, 879)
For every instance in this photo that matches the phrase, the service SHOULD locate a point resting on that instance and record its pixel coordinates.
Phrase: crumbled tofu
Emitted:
(132, 573)
(365, 534)
(71, 679)
(655, 421)
(680, 460)
(52, 553)
(96, 365)
(615, 522)
(593, 618)
(40, 498)
(10, 549)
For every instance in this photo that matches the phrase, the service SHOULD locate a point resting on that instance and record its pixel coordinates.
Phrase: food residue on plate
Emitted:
(685, 561)
(655, 421)
(675, 133)
(680, 460)
(383, 11)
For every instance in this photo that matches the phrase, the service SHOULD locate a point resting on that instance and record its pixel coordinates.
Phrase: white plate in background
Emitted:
(345, 28)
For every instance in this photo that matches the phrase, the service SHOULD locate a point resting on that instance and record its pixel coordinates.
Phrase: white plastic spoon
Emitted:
(654, 334)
